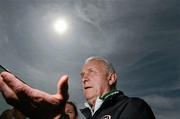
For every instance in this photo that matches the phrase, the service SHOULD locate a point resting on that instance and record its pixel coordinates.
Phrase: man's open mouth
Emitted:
(87, 87)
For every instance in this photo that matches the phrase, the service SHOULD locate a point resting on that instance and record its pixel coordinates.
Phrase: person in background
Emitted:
(71, 110)
(12, 114)
(98, 79)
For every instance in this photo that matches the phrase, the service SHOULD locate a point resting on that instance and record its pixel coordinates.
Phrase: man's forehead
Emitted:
(92, 63)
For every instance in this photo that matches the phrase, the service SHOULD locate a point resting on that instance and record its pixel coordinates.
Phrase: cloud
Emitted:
(164, 107)
(161, 102)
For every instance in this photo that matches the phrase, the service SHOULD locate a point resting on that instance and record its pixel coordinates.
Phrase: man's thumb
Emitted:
(62, 87)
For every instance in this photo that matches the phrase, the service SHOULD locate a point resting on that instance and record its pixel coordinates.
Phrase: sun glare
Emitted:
(60, 26)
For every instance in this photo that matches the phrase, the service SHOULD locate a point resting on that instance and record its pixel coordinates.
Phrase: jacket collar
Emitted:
(88, 112)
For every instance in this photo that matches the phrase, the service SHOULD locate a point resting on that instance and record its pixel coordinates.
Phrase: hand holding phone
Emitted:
(4, 69)
(32, 102)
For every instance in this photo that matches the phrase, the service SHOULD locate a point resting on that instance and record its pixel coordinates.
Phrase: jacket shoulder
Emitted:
(138, 108)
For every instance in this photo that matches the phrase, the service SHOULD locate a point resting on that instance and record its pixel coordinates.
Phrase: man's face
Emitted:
(94, 80)
(69, 110)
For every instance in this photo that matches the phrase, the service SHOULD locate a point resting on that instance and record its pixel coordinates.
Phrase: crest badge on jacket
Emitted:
(106, 117)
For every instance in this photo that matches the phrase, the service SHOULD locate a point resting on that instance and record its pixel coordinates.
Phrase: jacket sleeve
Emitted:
(137, 109)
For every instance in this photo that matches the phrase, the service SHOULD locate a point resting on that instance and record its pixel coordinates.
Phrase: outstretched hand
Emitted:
(32, 102)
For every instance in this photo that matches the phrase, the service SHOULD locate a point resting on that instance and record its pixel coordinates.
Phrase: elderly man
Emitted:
(99, 87)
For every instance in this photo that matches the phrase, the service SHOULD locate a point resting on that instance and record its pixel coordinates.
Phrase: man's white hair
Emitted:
(108, 65)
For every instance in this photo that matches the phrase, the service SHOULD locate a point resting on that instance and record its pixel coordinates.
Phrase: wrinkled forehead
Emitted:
(94, 64)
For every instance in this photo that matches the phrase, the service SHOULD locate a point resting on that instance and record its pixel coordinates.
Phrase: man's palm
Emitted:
(32, 102)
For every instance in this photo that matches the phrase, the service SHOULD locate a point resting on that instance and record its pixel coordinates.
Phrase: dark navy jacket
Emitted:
(119, 106)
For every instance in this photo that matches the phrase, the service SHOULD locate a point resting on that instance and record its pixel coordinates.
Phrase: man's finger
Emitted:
(12, 82)
(7, 92)
(62, 87)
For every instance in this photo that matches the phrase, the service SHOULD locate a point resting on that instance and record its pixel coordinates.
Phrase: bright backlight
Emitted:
(60, 26)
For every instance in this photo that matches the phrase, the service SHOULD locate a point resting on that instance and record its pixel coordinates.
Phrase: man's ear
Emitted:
(112, 78)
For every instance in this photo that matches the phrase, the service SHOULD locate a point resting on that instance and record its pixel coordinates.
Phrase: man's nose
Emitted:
(85, 77)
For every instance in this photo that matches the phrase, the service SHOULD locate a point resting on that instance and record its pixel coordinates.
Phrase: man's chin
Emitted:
(90, 99)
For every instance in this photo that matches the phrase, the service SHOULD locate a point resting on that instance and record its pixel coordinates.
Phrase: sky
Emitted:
(140, 37)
